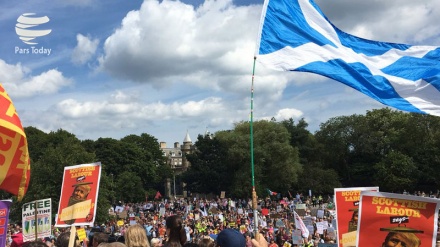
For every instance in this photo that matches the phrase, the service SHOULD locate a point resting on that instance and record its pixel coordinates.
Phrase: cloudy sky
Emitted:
(119, 67)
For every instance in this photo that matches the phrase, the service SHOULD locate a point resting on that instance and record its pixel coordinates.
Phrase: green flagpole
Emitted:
(254, 193)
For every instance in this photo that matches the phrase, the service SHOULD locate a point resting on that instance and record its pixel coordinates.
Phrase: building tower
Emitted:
(186, 148)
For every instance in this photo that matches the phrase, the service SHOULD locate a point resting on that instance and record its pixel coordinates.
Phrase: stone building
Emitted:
(176, 159)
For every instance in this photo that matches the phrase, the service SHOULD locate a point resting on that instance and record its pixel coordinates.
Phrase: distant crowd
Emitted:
(201, 222)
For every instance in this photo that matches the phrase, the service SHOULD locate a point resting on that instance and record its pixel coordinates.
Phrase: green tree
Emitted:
(62, 149)
(208, 168)
(276, 162)
(395, 172)
(304, 141)
(129, 187)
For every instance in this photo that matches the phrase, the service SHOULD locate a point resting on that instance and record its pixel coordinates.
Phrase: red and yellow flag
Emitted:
(14, 154)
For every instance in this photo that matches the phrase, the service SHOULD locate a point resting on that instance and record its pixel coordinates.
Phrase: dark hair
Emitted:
(63, 239)
(35, 244)
(100, 237)
(177, 236)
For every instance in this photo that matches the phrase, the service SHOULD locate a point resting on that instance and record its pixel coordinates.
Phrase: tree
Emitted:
(276, 162)
(62, 149)
(129, 187)
(396, 172)
(208, 168)
(304, 141)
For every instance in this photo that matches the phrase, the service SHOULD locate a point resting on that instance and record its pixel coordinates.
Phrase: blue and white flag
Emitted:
(295, 35)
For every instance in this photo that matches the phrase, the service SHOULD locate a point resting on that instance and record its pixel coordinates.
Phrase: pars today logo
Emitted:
(27, 29)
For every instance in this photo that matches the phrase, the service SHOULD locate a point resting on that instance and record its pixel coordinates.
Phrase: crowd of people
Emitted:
(200, 221)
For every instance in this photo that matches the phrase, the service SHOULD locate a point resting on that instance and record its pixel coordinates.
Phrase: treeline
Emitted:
(132, 168)
(393, 150)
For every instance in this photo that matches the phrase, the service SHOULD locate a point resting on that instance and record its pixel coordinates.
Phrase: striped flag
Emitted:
(296, 36)
(299, 224)
(14, 154)
(271, 193)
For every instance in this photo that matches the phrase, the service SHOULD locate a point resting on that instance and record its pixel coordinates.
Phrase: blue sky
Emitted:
(121, 67)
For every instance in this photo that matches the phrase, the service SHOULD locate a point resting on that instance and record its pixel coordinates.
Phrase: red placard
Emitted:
(79, 195)
(396, 218)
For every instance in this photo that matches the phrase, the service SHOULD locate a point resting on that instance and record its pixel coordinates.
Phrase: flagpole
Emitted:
(254, 193)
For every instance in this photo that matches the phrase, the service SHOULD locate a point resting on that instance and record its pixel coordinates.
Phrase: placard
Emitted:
(79, 195)
(391, 218)
(43, 221)
(347, 205)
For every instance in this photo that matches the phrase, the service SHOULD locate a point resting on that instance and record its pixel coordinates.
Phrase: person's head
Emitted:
(155, 242)
(63, 240)
(175, 231)
(206, 242)
(115, 244)
(17, 240)
(81, 192)
(99, 237)
(34, 244)
(230, 238)
(401, 239)
(136, 236)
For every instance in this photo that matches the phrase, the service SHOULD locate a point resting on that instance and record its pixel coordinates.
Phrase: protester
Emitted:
(232, 238)
(17, 239)
(155, 242)
(99, 237)
(34, 244)
(136, 236)
(175, 232)
(114, 244)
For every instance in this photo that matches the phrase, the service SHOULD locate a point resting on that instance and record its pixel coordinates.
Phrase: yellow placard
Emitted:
(77, 211)
(81, 234)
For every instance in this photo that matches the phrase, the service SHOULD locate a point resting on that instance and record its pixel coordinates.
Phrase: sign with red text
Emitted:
(347, 205)
(4, 215)
(397, 220)
(79, 195)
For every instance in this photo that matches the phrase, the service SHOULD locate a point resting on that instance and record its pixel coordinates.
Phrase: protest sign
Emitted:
(320, 213)
(132, 219)
(81, 234)
(308, 221)
(222, 194)
(4, 215)
(410, 220)
(320, 227)
(43, 221)
(79, 195)
(296, 237)
(119, 209)
(347, 205)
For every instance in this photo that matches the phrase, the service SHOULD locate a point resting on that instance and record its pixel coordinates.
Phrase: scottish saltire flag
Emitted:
(295, 35)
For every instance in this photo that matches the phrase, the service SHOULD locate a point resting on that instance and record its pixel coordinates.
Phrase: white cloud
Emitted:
(169, 66)
(170, 38)
(84, 50)
(287, 113)
(131, 110)
(19, 83)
